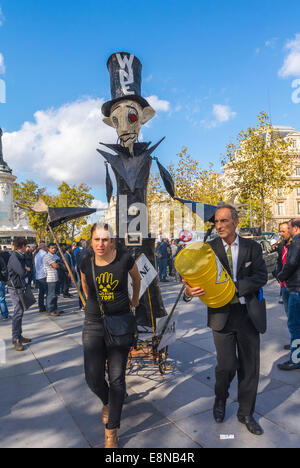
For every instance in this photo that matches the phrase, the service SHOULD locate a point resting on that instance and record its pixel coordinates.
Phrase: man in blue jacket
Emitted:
(291, 275)
(163, 254)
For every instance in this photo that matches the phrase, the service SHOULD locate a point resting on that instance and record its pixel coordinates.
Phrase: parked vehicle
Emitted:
(269, 255)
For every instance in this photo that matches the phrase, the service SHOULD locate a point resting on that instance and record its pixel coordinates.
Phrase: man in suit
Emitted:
(236, 337)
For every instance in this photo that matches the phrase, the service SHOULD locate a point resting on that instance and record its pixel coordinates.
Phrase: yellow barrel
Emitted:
(200, 267)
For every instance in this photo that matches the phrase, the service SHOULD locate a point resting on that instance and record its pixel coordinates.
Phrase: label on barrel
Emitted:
(222, 275)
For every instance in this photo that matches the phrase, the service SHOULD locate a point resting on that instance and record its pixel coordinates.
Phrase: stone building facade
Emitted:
(286, 204)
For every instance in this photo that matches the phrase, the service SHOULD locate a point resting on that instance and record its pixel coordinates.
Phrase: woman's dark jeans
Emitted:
(95, 355)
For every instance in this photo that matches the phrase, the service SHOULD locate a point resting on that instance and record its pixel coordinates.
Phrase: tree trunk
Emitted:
(262, 204)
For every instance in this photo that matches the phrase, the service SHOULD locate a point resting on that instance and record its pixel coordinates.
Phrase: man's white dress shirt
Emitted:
(235, 255)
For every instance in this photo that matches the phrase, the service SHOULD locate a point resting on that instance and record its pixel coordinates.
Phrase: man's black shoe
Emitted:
(251, 424)
(67, 295)
(219, 410)
(287, 366)
(287, 347)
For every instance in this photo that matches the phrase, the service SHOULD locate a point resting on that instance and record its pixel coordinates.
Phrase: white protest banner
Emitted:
(169, 335)
(147, 274)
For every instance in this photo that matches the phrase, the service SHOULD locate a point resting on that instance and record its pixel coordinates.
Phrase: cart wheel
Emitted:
(162, 360)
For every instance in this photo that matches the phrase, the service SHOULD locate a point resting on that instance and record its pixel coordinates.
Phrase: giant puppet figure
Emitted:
(131, 162)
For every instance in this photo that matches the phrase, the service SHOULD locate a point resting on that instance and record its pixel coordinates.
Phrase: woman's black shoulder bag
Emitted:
(120, 330)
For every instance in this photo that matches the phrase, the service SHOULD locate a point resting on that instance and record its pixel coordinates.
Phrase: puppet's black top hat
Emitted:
(125, 80)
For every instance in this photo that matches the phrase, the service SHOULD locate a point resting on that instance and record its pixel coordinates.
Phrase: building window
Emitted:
(298, 207)
(298, 170)
(294, 143)
(280, 208)
(279, 192)
(298, 191)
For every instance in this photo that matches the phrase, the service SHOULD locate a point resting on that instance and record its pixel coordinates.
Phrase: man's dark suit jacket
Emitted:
(249, 278)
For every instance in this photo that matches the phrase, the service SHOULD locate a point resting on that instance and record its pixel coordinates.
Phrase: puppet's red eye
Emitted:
(132, 118)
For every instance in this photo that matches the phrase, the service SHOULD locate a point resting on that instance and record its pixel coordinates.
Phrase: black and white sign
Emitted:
(147, 273)
(169, 336)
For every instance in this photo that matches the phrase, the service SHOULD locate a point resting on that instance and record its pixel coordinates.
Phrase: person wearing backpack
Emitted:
(17, 278)
(3, 281)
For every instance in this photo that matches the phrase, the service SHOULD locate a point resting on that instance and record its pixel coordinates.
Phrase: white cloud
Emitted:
(99, 204)
(223, 113)
(2, 64)
(158, 104)
(291, 65)
(60, 144)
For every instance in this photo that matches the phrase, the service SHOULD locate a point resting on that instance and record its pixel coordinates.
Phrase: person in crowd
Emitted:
(236, 337)
(290, 274)
(51, 265)
(282, 250)
(170, 260)
(104, 276)
(174, 248)
(41, 275)
(3, 282)
(77, 252)
(85, 252)
(163, 255)
(17, 279)
(67, 281)
(29, 263)
(4, 253)
(61, 271)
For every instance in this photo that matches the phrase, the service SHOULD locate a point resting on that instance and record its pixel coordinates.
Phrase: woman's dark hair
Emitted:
(19, 242)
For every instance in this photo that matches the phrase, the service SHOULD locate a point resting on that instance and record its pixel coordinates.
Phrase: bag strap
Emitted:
(97, 289)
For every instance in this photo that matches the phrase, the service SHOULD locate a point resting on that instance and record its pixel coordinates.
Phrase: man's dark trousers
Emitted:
(238, 350)
(52, 297)
(42, 285)
(17, 315)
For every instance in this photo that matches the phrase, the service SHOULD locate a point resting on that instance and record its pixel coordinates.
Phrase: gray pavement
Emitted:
(46, 403)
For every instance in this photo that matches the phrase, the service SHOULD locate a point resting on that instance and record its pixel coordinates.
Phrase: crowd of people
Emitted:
(101, 270)
(165, 253)
(41, 267)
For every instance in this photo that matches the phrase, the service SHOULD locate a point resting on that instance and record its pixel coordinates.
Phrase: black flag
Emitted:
(167, 179)
(109, 185)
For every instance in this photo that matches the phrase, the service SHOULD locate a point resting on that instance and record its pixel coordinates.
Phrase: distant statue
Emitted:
(3, 165)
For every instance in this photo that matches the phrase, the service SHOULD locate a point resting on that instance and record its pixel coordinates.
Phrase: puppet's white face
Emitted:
(127, 117)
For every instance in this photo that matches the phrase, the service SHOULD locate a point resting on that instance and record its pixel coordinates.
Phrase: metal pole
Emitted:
(67, 266)
(171, 313)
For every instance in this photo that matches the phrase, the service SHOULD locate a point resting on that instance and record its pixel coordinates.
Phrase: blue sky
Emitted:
(210, 66)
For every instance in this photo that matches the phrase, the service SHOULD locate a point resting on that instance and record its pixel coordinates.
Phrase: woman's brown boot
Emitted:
(105, 414)
(111, 438)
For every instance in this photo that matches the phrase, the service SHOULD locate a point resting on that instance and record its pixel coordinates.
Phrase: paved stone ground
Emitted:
(45, 401)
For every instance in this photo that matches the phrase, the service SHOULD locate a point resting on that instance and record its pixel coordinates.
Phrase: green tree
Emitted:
(259, 163)
(68, 196)
(26, 194)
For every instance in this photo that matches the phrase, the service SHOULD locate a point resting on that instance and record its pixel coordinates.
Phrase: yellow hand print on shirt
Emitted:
(106, 286)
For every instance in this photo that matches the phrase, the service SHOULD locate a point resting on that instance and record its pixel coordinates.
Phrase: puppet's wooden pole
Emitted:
(67, 266)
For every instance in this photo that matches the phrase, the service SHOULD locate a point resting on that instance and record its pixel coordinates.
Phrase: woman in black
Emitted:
(111, 267)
